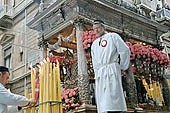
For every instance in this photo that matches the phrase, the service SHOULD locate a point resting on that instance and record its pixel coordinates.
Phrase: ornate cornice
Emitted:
(62, 13)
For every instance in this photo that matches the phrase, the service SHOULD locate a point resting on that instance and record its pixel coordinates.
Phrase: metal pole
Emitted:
(25, 44)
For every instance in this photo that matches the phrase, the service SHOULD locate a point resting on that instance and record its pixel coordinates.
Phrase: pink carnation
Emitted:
(67, 101)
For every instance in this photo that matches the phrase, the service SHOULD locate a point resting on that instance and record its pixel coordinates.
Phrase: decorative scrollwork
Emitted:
(61, 38)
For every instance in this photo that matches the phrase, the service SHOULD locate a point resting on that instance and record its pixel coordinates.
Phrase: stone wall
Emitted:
(25, 41)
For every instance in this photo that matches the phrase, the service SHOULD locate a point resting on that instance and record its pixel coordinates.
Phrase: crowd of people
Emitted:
(166, 6)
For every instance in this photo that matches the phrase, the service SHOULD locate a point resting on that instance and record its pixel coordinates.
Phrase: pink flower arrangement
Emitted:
(88, 37)
(148, 55)
(70, 99)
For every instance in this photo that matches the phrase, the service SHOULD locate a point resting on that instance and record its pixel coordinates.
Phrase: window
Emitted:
(7, 59)
(21, 56)
(6, 42)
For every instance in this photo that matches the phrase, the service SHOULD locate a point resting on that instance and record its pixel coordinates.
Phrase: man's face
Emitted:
(98, 29)
(4, 78)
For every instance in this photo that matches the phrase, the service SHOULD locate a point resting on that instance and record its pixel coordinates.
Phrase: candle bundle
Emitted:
(32, 94)
(49, 87)
(153, 91)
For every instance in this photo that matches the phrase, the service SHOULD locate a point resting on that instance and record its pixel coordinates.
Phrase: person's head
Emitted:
(4, 75)
(37, 69)
(166, 5)
(98, 27)
(158, 6)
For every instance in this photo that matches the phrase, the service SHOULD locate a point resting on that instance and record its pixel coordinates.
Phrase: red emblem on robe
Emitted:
(104, 43)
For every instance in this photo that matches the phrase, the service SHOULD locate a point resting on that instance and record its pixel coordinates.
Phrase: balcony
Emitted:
(21, 6)
(6, 14)
(6, 10)
(163, 16)
(144, 4)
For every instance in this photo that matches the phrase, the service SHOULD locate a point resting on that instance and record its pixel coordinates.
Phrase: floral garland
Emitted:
(146, 60)
(88, 37)
(70, 99)
(148, 55)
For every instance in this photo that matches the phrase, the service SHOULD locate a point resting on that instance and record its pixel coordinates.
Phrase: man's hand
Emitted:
(32, 102)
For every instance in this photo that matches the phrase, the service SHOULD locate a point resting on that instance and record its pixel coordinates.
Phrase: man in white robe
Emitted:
(105, 53)
(9, 102)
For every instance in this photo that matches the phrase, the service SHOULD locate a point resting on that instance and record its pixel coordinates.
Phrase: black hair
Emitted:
(98, 22)
(4, 69)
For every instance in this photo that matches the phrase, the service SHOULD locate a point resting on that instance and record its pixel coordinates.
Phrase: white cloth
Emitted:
(109, 91)
(9, 102)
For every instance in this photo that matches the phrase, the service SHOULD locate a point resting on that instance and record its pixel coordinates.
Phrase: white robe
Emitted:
(109, 91)
(9, 102)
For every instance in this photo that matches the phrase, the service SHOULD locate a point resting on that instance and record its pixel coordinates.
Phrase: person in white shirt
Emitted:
(9, 102)
(110, 55)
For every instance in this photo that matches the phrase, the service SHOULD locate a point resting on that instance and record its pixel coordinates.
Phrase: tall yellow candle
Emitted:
(26, 92)
(58, 84)
(160, 95)
(33, 86)
(51, 82)
(151, 90)
(31, 109)
(33, 82)
(54, 88)
(44, 86)
(47, 85)
(27, 95)
(51, 86)
(157, 90)
(41, 87)
(154, 91)
(146, 86)
(158, 99)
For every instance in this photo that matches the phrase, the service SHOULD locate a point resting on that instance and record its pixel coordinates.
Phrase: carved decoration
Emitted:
(61, 38)
(71, 78)
(119, 22)
(6, 38)
(93, 10)
(52, 20)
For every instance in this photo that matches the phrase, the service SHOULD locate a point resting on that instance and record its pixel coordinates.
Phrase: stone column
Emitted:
(165, 92)
(83, 77)
(132, 99)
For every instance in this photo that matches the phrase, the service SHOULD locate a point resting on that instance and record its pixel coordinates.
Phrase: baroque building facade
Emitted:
(28, 26)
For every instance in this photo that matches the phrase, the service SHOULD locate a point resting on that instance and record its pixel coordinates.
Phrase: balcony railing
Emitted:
(163, 14)
(144, 4)
(6, 10)
(13, 11)
(21, 6)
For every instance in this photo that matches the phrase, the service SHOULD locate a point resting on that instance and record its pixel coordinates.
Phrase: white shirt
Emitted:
(9, 102)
